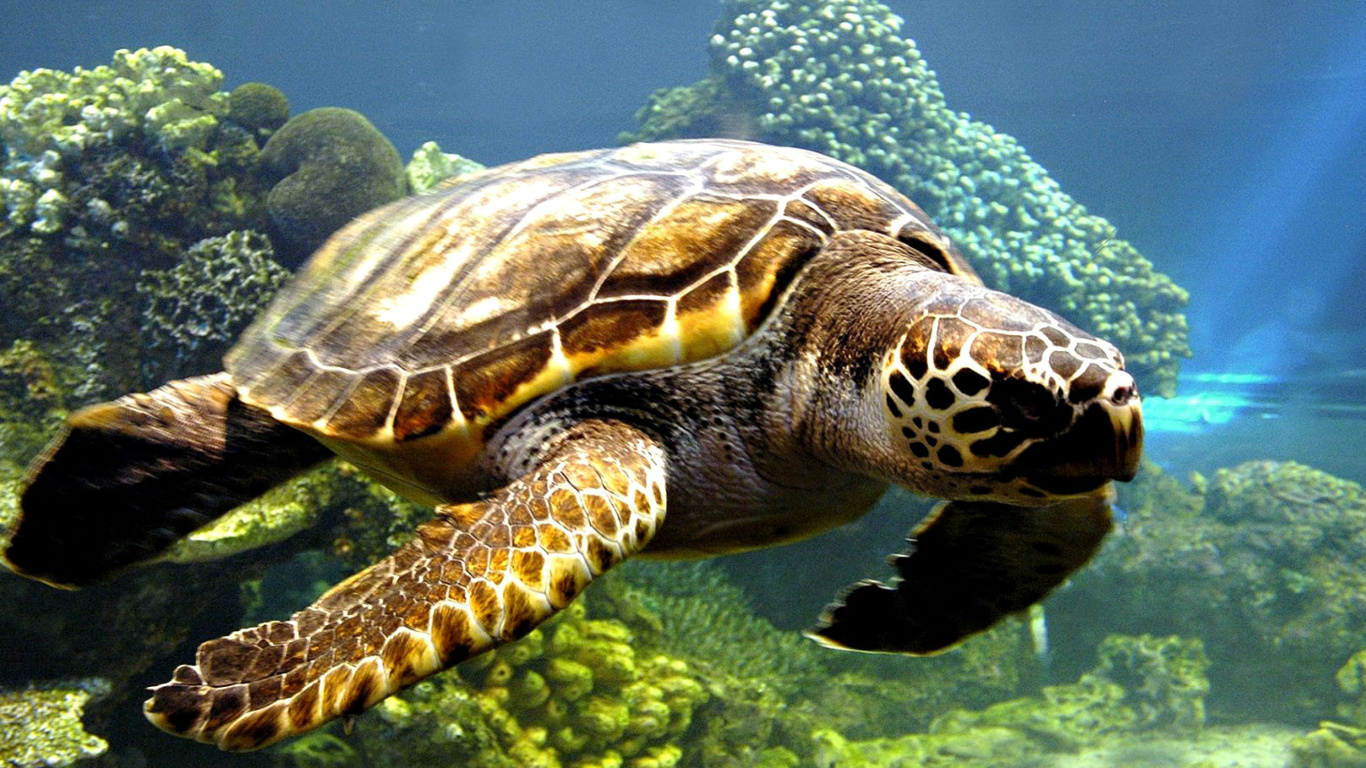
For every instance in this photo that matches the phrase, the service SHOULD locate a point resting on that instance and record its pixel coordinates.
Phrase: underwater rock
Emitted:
(1333, 745)
(1351, 680)
(194, 311)
(32, 401)
(430, 166)
(328, 165)
(1264, 565)
(40, 727)
(836, 76)
(258, 107)
(1163, 678)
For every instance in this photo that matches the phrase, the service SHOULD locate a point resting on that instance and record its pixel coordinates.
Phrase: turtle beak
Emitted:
(1104, 443)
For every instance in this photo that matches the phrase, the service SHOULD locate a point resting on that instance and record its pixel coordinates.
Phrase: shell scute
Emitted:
(444, 313)
(662, 261)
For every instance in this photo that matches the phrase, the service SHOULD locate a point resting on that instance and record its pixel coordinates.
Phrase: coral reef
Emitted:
(430, 166)
(1141, 685)
(1351, 680)
(195, 310)
(1260, 559)
(837, 77)
(328, 166)
(41, 727)
(1333, 745)
(574, 692)
(109, 172)
(1163, 678)
(1339, 745)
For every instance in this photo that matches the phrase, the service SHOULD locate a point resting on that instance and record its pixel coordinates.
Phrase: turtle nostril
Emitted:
(1122, 395)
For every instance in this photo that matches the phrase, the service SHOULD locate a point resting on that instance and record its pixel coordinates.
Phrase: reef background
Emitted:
(1111, 161)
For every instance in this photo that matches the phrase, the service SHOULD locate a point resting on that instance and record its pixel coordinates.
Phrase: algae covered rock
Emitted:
(836, 76)
(1333, 745)
(1262, 560)
(328, 166)
(258, 107)
(40, 727)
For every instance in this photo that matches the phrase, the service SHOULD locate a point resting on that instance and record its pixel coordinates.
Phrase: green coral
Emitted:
(430, 166)
(1351, 680)
(836, 76)
(32, 400)
(329, 165)
(1333, 745)
(41, 727)
(574, 692)
(1163, 678)
(1140, 684)
(258, 107)
(194, 310)
(109, 172)
(700, 613)
(1261, 559)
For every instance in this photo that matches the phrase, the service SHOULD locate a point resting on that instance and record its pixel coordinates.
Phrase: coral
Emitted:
(1061, 717)
(1351, 680)
(985, 746)
(430, 166)
(258, 107)
(1333, 745)
(41, 727)
(1163, 678)
(329, 165)
(194, 310)
(1263, 564)
(837, 77)
(32, 401)
(146, 101)
(701, 614)
(109, 172)
(573, 692)
(318, 750)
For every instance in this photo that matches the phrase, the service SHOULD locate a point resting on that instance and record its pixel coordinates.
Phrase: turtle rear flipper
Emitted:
(970, 565)
(129, 477)
(478, 575)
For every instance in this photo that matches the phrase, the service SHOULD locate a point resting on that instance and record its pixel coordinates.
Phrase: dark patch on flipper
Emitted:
(128, 478)
(476, 576)
(970, 565)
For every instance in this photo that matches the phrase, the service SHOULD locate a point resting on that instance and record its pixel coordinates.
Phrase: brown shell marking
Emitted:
(477, 576)
(533, 275)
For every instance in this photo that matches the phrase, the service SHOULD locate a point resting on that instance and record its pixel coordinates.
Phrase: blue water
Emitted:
(1225, 140)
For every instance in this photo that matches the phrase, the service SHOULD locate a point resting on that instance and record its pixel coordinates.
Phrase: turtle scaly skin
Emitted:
(673, 349)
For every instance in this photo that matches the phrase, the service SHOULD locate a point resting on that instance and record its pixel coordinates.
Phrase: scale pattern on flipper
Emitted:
(478, 575)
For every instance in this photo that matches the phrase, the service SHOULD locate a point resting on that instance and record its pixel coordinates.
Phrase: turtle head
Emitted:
(989, 397)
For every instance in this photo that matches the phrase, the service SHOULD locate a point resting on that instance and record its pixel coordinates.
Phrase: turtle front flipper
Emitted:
(970, 565)
(127, 478)
(477, 575)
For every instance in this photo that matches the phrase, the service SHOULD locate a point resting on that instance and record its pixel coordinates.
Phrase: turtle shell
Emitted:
(445, 312)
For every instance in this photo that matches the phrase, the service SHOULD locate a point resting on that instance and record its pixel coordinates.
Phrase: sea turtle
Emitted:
(680, 349)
